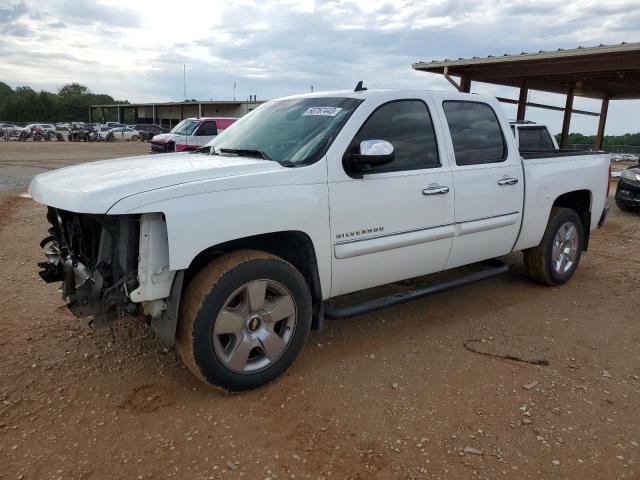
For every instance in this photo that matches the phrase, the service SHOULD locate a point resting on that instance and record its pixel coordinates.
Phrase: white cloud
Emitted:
(272, 48)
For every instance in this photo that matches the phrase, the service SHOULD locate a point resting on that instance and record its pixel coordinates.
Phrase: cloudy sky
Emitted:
(136, 50)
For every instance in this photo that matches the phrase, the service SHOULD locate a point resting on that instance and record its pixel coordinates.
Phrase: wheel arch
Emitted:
(296, 247)
(580, 201)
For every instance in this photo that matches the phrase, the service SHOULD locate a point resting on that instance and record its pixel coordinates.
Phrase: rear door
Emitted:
(393, 221)
(488, 181)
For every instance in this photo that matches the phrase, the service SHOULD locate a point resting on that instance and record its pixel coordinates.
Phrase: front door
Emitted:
(488, 181)
(393, 221)
(206, 132)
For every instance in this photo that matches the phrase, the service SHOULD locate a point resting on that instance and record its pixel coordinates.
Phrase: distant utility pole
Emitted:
(184, 79)
(311, 88)
(234, 91)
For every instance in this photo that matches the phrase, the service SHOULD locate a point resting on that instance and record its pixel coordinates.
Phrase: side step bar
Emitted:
(491, 268)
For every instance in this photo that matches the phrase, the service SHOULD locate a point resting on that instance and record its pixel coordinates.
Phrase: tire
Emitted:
(622, 206)
(539, 261)
(222, 338)
(134, 138)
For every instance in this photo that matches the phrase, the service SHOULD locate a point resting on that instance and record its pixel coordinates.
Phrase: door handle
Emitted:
(507, 181)
(435, 190)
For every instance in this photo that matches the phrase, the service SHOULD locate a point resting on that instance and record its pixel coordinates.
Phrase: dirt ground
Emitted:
(390, 395)
(21, 161)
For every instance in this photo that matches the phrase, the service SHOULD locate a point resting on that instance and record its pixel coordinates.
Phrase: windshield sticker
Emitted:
(322, 111)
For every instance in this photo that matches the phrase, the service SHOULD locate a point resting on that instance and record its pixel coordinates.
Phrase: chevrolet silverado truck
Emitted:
(232, 252)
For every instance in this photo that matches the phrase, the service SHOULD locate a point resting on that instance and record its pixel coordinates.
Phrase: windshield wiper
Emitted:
(290, 164)
(246, 152)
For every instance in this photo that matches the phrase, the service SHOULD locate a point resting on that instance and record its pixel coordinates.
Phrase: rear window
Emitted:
(475, 133)
(534, 138)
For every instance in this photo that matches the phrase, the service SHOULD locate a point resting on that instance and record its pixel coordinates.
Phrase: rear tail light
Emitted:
(609, 179)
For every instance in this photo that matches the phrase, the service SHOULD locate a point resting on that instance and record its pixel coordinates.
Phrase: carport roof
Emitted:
(605, 71)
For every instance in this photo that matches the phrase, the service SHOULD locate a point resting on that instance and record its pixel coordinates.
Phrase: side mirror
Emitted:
(373, 153)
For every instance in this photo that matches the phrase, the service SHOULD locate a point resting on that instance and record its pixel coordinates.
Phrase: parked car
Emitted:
(120, 133)
(9, 130)
(624, 157)
(32, 126)
(38, 133)
(232, 253)
(43, 129)
(114, 124)
(190, 134)
(149, 130)
(628, 191)
(533, 137)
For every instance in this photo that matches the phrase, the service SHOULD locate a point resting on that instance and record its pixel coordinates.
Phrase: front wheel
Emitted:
(244, 319)
(556, 258)
(622, 206)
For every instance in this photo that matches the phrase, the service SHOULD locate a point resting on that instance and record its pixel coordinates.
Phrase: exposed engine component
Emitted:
(95, 258)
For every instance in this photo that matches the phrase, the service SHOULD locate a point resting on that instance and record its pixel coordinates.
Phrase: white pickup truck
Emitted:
(231, 252)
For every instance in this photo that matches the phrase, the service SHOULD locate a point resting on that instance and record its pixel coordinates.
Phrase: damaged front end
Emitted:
(110, 265)
(96, 259)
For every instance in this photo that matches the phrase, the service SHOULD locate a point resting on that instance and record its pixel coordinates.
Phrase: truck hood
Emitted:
(165, 137)
(95, 187)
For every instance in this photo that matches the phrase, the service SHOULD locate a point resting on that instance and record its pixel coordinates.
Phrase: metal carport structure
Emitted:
(605, 72)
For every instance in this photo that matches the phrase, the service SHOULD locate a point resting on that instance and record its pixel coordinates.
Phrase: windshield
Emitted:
(185, 127)
(287, 131)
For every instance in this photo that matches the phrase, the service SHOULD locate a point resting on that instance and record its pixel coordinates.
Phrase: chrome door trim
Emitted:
(486, 223)
(364, 246)
(390, 241)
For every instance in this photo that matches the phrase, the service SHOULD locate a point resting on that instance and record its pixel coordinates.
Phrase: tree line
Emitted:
(70, 103)
(626, 140)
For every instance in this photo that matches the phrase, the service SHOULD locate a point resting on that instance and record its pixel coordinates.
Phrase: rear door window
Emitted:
(475, 132)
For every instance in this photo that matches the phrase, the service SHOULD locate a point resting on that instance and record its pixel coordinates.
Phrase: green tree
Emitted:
(70, 103)
(5, 91)
(20, 106)
(73, 90)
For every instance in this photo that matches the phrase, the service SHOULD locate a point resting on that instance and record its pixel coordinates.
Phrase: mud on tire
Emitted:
(221, 316)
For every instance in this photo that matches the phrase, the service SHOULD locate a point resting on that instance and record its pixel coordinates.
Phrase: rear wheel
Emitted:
(556, 258)
(134, 138)
(244, 319)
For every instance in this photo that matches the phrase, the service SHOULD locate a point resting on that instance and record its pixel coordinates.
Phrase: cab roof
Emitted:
(364, 94)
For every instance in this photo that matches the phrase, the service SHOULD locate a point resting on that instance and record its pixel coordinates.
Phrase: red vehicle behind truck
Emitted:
(190, 134)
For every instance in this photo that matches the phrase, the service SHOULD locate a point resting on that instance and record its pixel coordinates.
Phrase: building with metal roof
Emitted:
(169, 114)
(605, 72)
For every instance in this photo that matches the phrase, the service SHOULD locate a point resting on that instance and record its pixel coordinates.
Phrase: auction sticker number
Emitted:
(323, 111)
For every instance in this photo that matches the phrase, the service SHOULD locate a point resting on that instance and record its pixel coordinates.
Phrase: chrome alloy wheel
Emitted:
(255, 326)
(565, 248)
